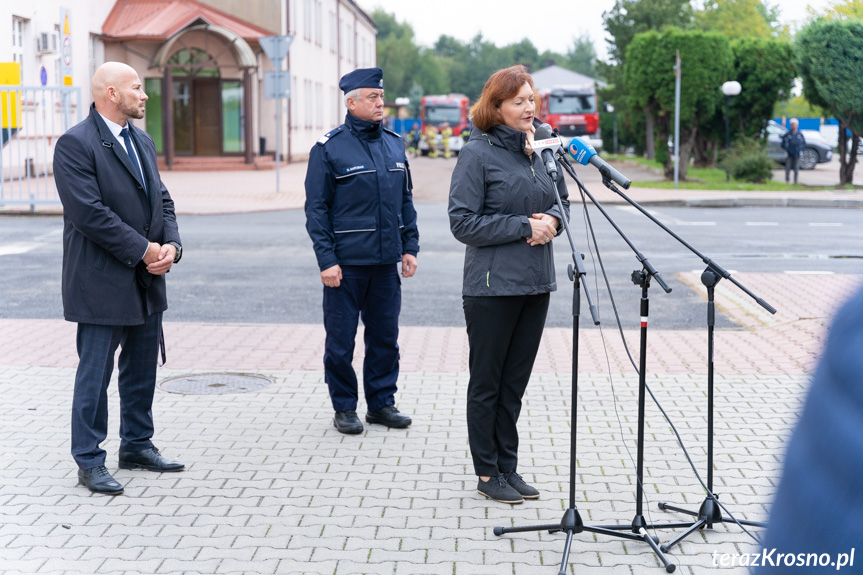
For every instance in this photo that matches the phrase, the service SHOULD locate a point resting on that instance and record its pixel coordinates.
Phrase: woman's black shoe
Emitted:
(498, 489)
(516, 482)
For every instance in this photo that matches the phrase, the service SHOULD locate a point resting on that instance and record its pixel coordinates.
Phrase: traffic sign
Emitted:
(276, 47)
(43, 76)
(277, 84)
(66, 47)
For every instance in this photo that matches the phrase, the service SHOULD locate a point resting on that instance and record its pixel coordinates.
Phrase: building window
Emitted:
(319, 106)
(18, 40)
(319, 24)
(153, 116)
(333, 33)
(335, 106)
(307, 19)
(295, 120)
(307, 104)
(193, 62)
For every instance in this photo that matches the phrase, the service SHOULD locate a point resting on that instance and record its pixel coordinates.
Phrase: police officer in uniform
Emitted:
(361, 218)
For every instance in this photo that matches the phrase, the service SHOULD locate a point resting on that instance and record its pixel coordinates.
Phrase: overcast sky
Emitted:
(549, 25)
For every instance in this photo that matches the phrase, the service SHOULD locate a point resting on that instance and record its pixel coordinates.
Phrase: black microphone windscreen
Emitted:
(543, 132)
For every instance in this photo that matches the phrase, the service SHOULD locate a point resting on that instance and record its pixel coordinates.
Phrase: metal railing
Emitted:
(33, 118)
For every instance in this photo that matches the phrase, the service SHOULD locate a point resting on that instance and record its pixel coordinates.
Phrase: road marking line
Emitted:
(825, 225)
(15, 249)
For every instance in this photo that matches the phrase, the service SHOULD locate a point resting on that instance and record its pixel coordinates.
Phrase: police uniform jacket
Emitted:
(109, 220)
(359, 206)
(494, 190)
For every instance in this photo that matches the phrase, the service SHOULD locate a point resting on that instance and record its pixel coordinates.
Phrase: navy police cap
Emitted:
(362, 78)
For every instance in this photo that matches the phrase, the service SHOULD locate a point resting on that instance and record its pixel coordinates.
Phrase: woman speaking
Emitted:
(502, 206)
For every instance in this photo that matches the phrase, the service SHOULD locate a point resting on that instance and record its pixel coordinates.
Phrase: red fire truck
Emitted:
(451, 109)
(574, 111)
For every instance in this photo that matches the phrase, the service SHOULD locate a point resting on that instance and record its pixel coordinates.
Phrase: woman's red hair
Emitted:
(502, 85)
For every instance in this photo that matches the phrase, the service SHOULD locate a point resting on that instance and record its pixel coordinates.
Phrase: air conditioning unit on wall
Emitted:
(46, 43)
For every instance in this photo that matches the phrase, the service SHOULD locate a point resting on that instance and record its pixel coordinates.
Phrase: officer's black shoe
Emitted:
(149, 459)
(98, 480)
(348, 422)
(389, 416)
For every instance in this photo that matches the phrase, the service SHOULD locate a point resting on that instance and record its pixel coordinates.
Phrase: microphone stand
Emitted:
(571, 523)
(709, 512)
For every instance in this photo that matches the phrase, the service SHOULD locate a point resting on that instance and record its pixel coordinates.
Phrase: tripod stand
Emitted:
(710, 510)
(571, 523)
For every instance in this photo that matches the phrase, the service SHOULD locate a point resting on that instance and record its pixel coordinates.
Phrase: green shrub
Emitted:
(747, 161)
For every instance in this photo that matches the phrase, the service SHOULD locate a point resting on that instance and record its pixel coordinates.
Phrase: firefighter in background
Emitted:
(413, 139)
(431, 136)
(465, 133)
(445, 135)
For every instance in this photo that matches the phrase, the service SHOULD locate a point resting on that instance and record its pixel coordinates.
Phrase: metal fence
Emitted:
(32, 120)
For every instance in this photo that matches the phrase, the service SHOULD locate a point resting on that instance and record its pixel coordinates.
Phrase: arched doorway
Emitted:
(205, 93)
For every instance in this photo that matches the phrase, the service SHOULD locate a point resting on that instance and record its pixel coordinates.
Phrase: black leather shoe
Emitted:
(516, 481)
(149, 459)
(98, 480)
(347, 422)
(389, 416)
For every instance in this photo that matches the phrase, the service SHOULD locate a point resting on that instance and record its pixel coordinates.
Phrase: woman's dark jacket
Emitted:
(494, 190)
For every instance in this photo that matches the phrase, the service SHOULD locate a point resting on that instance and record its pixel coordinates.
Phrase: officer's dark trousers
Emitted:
(503, 334)
(136, 385)
(374, 294)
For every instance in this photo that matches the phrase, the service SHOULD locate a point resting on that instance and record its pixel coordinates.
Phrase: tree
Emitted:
(850, 9)
(706, 62)
(631, 17)
(739, 18)
(829, 57)
(397, 53)
(765, 69)
(626, 19)
(581, 57)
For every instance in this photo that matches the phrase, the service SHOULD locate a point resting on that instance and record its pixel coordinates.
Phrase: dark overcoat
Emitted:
(109, 219)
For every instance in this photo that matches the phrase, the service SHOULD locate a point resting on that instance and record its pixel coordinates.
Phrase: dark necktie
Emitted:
(127, 137)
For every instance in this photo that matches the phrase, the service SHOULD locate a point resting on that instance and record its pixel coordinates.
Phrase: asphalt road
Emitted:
(259, 268)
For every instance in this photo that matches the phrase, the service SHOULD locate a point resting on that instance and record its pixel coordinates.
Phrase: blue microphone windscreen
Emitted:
(581, 151)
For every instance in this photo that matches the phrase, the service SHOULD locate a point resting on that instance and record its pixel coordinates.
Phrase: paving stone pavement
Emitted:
(271, 487)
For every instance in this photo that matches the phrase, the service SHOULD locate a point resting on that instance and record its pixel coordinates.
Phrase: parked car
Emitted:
(817, 150)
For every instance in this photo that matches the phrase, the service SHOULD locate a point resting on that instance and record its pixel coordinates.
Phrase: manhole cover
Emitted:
(215, 383)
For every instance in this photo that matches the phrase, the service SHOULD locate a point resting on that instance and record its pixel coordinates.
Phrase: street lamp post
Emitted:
(729, 89)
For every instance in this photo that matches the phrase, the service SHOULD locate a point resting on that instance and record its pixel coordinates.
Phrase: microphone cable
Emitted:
(711, 494)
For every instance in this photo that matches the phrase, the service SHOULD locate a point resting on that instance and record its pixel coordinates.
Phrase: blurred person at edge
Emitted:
(793, 143)
(818, 508)
(362, 222)
(502, 206)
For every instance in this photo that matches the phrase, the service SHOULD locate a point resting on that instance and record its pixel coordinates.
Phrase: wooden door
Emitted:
(208, 117)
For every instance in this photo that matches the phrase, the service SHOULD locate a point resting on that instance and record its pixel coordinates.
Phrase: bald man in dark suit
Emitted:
(120, 238)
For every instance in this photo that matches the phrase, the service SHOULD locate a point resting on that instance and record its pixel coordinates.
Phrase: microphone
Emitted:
(584, 154)
(545, 142)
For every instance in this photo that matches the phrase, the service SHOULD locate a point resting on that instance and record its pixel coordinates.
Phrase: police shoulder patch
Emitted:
(388, 131)
(323, 139)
